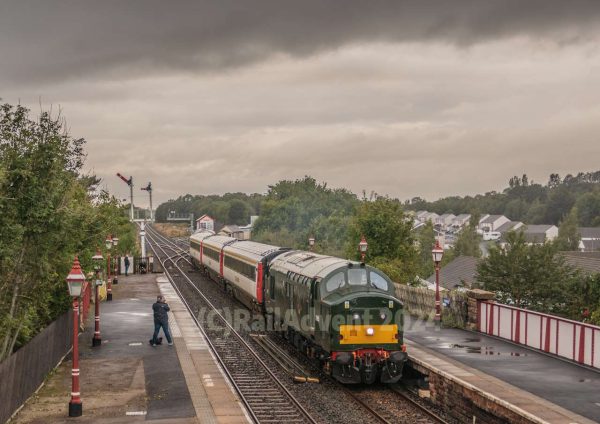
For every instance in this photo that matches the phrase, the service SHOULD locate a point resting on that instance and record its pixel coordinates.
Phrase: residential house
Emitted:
(539, 234)
(509, 226)
(420, 215)
(492, 223)
(461, 273)
(590, 239)
(445, 221)
(460, 221)
(586, 262)
(205, 222)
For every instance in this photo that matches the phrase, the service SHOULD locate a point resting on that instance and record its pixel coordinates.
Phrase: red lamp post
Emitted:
(75, 281)
(108, 244)
(362, 248)
(311, 243)
(98, 259)
(437, 253)
(115, 280)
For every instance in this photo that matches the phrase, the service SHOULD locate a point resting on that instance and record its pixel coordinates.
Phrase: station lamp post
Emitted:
(109, 243)
(98, 260)
(437, 253)
(311, 243)
(362, 247)
(75, 281)
(115, 280)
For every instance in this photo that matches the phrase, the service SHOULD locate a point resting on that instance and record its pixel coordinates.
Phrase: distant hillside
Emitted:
(529, 202)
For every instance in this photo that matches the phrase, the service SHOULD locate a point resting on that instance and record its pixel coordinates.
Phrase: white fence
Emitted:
(573, 340)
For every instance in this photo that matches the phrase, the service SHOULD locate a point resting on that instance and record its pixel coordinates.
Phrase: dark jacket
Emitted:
(160, 312)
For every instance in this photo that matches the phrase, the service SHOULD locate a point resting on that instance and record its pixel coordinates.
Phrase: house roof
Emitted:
(589, 232)
(231, 228)
(463, 216)
(460, 272)
(537, 229)
(490, 219)
(588, 262)
(507, 226)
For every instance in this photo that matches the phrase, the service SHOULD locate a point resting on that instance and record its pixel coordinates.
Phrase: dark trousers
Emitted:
(165, 327)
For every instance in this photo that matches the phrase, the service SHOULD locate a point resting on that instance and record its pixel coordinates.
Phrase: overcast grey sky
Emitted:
(406, 98)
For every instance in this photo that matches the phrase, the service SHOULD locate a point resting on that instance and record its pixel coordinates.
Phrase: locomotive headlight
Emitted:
(370, 331)
(355, 317)
(383, 316)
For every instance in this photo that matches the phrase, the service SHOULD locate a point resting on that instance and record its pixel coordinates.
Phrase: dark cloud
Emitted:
(59, 40)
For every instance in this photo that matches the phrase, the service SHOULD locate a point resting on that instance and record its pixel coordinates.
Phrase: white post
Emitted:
(131, 194)
(143, 239)
(151, 213)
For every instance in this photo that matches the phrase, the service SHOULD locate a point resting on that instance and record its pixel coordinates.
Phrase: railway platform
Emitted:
(126, 379)
(539, 386)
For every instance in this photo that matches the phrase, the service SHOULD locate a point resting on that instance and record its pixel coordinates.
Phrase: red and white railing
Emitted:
(574, 340)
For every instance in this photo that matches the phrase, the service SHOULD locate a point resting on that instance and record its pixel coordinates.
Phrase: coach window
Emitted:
(336, 281)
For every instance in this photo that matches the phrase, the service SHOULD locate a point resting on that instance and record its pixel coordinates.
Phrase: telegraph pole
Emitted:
(129, 182)
(148, 188)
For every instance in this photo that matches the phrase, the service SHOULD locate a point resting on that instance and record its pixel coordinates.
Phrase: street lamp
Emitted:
(75, 281)
(437, 253)
(362, 247)
(108, 243)
(115, 280)
(98, 259)
(311, 243)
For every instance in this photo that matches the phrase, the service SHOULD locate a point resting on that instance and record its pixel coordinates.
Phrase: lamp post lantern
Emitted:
(311, 243)
(98, 259)
(75, 281)
(362, 247)
(437, 253)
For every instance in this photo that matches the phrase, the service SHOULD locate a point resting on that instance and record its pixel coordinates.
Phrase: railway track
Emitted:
(266, 399)
(241, 361)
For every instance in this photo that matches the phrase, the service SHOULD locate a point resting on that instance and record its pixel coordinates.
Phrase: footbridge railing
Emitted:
(574, 340)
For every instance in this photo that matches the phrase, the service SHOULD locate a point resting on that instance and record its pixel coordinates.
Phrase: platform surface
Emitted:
(561, 383)
(127, 380)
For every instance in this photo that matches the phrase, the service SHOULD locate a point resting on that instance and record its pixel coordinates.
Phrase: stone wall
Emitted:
(466, 403)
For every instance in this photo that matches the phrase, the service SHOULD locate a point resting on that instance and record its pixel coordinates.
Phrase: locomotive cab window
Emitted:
(378, 281)
(336, 281)
(357, 277)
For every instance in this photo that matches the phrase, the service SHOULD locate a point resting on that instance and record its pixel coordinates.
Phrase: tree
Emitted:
(389, 234)
(468, 240)
(47, 215)
(529, 276)
(588, 207)
(568, 233)
(239, 211)
(298, 208)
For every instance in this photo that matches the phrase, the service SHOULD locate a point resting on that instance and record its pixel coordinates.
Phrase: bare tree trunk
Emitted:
(13, 305)
(11, 313)
(14, 340)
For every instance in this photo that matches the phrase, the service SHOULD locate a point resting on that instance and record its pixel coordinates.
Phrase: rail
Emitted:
(266, 399)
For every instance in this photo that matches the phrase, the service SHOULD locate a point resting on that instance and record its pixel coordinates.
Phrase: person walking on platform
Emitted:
(161, 319)
(126, 265)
